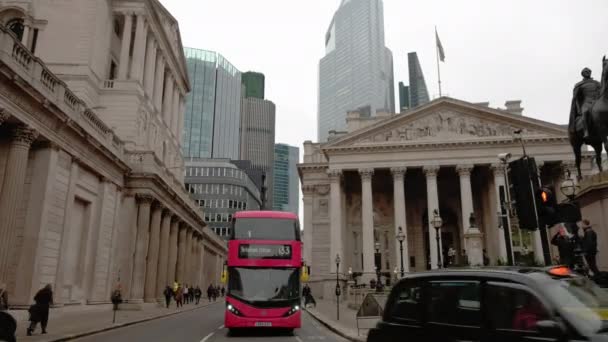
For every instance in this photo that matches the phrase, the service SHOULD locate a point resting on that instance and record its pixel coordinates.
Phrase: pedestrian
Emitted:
(486, 259)
(308, 297)
(451, 255)
(215, 293)
(223, 291)
(198, 293)
(210, 292)
(590, 247)
(191, 294)
(562, 239)
(39, 312)
(3, 297)
(179, 297)
(185, 293)
(168, 293)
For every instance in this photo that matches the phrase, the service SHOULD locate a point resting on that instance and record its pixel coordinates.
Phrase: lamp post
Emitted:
(568, 187)
(401, 238)
(437, 222)
(338, 292)
(378, 266)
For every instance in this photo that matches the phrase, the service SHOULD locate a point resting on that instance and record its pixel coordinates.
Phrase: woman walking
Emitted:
(39, 312)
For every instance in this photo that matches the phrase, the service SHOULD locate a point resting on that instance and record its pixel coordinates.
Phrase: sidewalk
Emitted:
(77, 321)
(325, 312)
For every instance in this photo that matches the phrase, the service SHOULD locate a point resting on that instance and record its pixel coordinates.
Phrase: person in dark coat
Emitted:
(590, 247)
(210, 292)
(3, 297)
(562, 239)
(168, 293)
(223, 291)
(39, 312)
(197, 294)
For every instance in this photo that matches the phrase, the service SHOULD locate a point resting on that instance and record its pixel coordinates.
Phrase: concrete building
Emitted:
(213, 107)
(220, 188)
(396, 170)
(91, 194)
(356, 72)
(418, 91)
(258, 130)
(286, 186)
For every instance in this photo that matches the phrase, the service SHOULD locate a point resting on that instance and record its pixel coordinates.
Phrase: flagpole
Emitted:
(438, 68)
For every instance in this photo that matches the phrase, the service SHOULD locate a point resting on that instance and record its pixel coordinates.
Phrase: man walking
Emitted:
(590, 247)
(39, 312)
(185, 294)
(197, 294)
(168, 293)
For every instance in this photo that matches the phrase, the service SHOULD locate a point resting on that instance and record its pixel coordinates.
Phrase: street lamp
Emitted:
(378, 266)
(338, 292)
(568, 187)
(437, 222)
(401, 238)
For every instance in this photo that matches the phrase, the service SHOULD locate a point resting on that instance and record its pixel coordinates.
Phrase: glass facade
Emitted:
(212, 118)
(357, 70)
(404, 97)
(254, 84)
(419, 94)
(286, 181)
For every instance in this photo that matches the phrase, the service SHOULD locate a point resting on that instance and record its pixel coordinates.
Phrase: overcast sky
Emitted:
(495, 50)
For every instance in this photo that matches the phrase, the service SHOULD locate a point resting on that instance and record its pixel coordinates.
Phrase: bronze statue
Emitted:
(583, 127)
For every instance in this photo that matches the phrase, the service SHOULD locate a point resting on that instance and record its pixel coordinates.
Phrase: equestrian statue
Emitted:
(589, 116)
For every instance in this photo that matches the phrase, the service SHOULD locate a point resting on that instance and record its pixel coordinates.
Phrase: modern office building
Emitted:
(220, 188)
(356, 72)
(213, 107)
(404, 97)
(254, 84)
(419, 94)
(286, 180)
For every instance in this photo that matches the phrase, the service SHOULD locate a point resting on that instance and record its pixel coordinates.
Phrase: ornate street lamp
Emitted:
(338, 292)
(378, 266)
(568, 187)
(437, 222)
(401, 237)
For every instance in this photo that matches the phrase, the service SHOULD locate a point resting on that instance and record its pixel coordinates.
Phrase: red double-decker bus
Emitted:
(263, 271)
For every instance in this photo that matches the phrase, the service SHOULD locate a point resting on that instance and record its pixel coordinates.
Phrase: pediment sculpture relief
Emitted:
(448, 125)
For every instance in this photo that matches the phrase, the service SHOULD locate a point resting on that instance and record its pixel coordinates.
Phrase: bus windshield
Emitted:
(258, 285)
(266, 229)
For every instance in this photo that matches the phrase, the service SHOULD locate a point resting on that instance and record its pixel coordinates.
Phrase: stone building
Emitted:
(91, 178)
(393, 171)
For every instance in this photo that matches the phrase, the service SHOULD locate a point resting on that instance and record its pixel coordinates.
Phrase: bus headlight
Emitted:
(234, 310)
(292, 311)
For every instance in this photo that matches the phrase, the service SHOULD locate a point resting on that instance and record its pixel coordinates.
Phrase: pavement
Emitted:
(325, 313)
(203, 323)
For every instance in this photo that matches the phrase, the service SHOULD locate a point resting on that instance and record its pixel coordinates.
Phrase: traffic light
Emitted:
(546, 206)
(569, 212)
(523, 185)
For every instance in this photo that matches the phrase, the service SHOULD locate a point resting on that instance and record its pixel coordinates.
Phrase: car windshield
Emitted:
(264, 284)
(265, 229)
(583, 302)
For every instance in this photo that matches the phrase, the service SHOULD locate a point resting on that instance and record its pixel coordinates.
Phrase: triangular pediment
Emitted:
(447, 120)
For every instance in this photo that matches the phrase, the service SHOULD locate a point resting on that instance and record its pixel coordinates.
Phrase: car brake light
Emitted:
(560, 271)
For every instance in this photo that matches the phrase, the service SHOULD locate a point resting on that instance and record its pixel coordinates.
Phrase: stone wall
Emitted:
(593, 199)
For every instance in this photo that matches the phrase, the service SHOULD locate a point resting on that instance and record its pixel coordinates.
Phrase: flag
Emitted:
(439, 47)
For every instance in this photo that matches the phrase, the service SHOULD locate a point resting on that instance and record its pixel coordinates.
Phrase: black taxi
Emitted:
(494, 304)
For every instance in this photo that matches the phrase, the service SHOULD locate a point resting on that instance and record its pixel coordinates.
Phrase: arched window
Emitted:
(16, 25)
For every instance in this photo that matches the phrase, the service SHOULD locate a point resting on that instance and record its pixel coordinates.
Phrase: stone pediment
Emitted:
(447, 120)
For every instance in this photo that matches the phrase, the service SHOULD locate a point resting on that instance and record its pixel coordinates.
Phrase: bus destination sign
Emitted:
(248, 251)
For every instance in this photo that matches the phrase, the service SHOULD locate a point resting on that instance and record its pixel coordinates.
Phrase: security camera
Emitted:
(504, 157)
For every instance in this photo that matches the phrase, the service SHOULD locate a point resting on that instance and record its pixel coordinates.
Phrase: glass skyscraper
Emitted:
(213, 107)
(357, 70)
(286, 180)
(419, 94)
(254, 84)
(404, 97)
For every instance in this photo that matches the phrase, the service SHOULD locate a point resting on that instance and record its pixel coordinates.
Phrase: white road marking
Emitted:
(207, 337)
(220, 327)
(298, 339)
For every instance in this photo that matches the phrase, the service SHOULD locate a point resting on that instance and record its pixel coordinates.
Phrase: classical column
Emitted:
(12, 192)
(123, 67)
(139, 49)
(168, 99)
(175, 110)
(150, 67)
(163, 257)
(159, 82)
(432, 205)
(181, 253)
(367, 223)
(335, 210)
(498, 171)
(172, 262)
(26, 35)
(188, 257)
(308, 191)
(180, 124)
(400, 216)
(466, 200)
(141, 247)
(152, 258)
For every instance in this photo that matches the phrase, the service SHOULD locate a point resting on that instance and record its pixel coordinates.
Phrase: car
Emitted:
(494, 305)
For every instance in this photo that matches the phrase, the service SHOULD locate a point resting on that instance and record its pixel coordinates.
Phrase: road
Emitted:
(206, 325)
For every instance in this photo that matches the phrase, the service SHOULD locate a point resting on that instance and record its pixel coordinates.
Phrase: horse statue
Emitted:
(589, 116)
